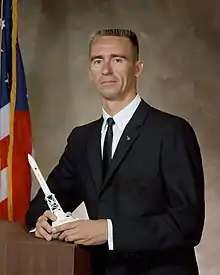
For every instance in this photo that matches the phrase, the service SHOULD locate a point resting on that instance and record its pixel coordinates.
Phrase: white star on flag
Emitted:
(3, 24)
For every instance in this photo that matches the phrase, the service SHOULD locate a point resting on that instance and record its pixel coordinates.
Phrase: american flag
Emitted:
(15, 126)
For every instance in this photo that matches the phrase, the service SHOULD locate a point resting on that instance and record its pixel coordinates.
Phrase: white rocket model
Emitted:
(50, 198)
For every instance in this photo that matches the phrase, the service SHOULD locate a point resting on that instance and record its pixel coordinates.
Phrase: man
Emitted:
(138, 170)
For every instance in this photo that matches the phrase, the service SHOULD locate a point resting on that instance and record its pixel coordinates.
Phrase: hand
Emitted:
(43, 228)
(85, 232)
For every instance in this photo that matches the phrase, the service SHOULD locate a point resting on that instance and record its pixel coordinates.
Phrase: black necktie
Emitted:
(107, 149)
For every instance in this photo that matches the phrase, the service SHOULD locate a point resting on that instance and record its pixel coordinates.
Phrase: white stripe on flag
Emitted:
(3, 184)
(4, 121)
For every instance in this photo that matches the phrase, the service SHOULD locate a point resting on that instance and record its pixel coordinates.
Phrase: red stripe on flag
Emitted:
(4, 209)
(21, 176)
(4, 152)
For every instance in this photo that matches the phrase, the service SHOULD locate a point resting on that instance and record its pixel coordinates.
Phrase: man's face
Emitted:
(113, 68)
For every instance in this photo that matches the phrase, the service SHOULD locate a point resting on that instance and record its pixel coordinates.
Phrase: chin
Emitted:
(110, 95)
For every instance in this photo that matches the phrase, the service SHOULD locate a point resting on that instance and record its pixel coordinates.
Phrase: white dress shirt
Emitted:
(121, 120)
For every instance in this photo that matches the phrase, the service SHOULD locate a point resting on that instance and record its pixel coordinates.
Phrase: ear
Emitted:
(138, 68)
(90, 75)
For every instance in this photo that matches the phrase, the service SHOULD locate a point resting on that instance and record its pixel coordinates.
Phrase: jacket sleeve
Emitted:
(63, 181)
(182, 222)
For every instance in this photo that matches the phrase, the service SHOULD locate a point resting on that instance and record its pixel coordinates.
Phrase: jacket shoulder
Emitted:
(166, 117)
(168, 122)
(82, 132)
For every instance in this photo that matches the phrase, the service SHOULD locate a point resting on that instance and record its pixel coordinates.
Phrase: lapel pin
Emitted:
(128, 138)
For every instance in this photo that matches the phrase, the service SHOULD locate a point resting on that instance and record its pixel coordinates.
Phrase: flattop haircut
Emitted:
(121, 33)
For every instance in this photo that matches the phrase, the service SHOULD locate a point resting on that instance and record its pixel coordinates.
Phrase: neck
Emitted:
(112, 107)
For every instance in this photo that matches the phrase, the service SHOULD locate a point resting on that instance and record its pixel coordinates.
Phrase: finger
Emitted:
(42, 222)
(74, 238)
(45, 225)
(43, 229)
(65, 226)
(38, 235)
(66, 233)
(49, 215)
(43, 234)
(85, 242)
(79, 241)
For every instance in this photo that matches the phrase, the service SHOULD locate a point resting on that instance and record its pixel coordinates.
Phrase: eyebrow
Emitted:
(111, 55)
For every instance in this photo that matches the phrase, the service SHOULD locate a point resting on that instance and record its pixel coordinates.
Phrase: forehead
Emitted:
(105, 45)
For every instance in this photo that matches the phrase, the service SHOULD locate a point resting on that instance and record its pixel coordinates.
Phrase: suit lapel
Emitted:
(94, 154)
(128, 138)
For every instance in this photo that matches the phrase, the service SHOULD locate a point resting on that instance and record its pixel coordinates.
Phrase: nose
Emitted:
(106, 69)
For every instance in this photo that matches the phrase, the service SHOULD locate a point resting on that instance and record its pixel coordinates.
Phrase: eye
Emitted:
(97, 61)
(118, 60)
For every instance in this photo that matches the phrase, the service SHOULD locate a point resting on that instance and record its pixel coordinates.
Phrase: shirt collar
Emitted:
(122, 118)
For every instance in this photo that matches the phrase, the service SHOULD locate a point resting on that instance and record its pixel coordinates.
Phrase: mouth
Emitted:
(108, 82)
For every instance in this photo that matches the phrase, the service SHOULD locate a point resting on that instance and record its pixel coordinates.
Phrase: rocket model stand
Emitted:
(50, 198)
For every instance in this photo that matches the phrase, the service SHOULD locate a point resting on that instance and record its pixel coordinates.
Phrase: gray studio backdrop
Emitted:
(180, 45)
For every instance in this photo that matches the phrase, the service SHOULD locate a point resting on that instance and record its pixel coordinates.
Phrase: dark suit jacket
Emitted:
(153, 193)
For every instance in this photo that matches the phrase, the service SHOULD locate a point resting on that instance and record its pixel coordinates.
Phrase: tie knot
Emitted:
(110, 122)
